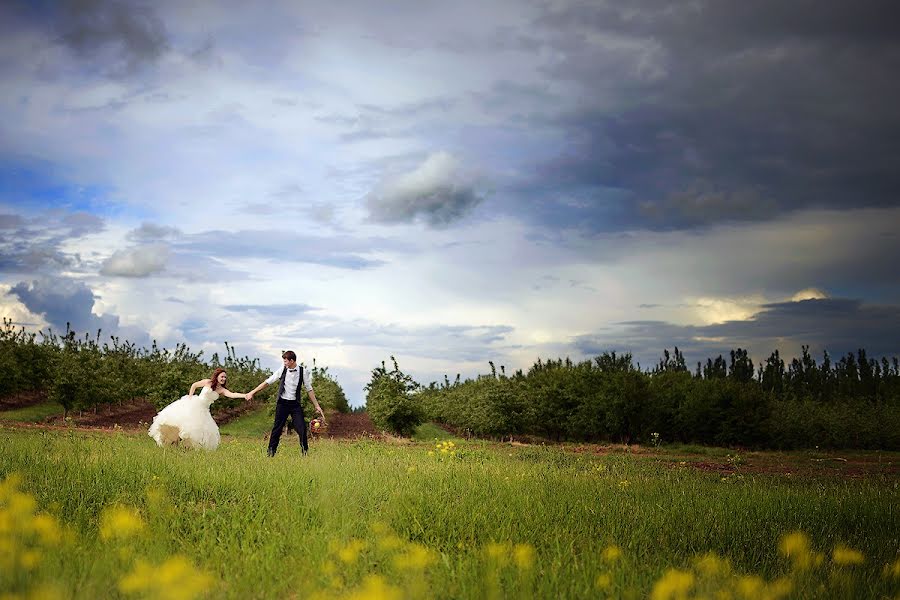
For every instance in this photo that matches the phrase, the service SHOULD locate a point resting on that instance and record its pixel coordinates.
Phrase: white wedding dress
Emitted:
(187, 420)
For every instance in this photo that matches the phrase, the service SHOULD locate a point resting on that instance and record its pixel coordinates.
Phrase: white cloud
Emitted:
(140, 261)
(438, 191)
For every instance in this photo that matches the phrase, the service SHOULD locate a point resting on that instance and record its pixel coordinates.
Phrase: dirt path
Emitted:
(138, 414)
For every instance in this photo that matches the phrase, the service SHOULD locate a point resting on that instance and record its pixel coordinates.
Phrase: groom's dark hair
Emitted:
(289, 354)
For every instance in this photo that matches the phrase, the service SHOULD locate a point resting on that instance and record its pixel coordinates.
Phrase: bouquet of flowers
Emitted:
(316, 426)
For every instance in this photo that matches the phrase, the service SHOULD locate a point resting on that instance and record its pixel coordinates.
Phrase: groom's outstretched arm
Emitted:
(271, 379)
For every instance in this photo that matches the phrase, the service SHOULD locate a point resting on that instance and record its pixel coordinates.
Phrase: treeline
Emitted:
(82, 373)
(853, 402)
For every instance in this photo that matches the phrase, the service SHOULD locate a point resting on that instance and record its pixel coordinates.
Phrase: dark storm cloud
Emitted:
(28, 245)
(836, 325)
(722, 111)
(123, 35)
(61, 301)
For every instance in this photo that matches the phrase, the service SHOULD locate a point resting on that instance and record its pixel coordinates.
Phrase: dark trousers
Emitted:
(284, 409)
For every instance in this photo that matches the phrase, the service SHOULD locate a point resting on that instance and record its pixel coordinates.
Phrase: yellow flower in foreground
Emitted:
(375, 588)
(845, 556)
(416, 558)
(30, 559)
(611, 553)
(751, 587)
(892, 570)
(389, 542)
(20, 507)
(674, 585)
(175, 579)
(47, 529)
(120, 522)
(350, 552)
(523, 556)
(794, 544)
(499, 553)
(9, 486)
(781, 587)
(711, 565)
(603, 581)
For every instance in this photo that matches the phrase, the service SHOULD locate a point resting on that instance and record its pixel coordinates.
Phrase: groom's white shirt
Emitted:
(290, 381)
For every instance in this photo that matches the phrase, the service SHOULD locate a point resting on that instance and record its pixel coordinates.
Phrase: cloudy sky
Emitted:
(453, 183)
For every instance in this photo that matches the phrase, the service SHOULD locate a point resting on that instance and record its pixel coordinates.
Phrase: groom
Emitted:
(288, 400)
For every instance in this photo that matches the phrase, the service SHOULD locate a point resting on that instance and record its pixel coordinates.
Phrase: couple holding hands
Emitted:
(188, 421)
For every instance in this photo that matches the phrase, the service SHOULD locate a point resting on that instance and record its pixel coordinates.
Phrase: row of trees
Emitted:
(853, 402)
(83, 372)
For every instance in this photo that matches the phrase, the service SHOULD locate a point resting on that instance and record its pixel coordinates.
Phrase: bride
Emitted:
(187, 420)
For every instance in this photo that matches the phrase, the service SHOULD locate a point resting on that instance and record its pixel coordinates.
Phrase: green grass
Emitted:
(429, 432)
(254, 424)
(285, 526)
(32, 414)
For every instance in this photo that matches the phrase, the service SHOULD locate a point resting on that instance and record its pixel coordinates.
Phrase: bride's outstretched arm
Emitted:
(231, 394)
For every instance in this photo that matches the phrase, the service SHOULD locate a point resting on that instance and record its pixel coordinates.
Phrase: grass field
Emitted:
(254, 424)
(32, 414)
(387, 520)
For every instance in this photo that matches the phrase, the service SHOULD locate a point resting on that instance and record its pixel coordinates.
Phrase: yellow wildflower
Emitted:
(120, 522)
(19, 506)
(416, 557)
(781, 587)
(140, 578)
(846, 557)
(603, 581)
(9, 486)
(47, 529)
(751, 587)
(710, 565)
(523, 556)
(892, 570)
(795, 546)
(389, 542)
(175, 579)
(350, 552)
(30, 559)
(624, 484)
(674, 585)
(374, 587)
(611, 553)
(498, 552)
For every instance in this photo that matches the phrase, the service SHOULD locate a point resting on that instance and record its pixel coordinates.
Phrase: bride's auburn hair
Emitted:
(215, 378)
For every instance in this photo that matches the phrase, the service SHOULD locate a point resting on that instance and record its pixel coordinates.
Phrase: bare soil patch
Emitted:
(138, 414)
(23, 400)
(351, 425)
